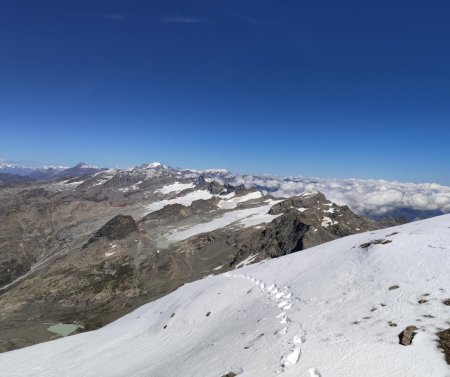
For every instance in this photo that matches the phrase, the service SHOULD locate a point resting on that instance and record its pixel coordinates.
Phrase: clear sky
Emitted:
(322, 88)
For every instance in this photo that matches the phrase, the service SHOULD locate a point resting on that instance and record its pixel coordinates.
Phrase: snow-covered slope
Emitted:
(325, 311)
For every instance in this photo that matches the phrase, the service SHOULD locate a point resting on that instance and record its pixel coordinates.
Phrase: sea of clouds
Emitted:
(374, 198)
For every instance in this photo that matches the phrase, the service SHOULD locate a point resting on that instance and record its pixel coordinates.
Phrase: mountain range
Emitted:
(371, 198)
(84, 250)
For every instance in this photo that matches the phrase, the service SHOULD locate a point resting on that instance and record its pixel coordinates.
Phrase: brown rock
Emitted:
(444, 343)
(407, 335)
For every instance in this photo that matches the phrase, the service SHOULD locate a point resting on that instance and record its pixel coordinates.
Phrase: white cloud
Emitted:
(368, 197)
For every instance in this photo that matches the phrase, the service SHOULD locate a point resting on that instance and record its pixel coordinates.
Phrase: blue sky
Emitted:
(314, 88)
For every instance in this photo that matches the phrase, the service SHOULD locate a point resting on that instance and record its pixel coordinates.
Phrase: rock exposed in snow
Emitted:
(407, 335)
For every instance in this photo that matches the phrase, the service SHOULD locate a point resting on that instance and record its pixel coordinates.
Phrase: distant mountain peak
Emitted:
(153, 165)
(24, 168)
(83, 165)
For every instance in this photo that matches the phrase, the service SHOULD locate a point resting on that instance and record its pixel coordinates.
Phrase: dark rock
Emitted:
(175, 212)
(229, 374)
(446, 302)
(375, 242)
(407, 335)
(201, 205)
(168, 214)
(117, 228)
(300, 201)
(444, 343)
(213, 187)
(392, 287)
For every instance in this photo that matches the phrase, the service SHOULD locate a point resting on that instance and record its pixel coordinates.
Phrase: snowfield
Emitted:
(327, 311)
(233, 202)
(246, 217)
(185, 200)
(175, 187)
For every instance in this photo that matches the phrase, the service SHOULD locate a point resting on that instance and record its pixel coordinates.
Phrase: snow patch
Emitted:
(326, 222)
(175, 187)
(244, 217)
(235, 200)
(185, 200)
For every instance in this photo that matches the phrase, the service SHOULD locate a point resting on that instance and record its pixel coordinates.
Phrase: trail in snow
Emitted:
(334, 310)
(284, 300)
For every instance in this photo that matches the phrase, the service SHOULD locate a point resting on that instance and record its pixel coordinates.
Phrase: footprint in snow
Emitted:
(252, 342)
(284, 320)
(314, 373)
(298, 339)
(293, 357)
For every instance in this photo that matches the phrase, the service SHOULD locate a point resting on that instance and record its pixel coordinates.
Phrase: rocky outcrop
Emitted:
(300, 202)
(176, 212)
(213, 187)
(168, 214)
(303, 222)
(119, 227)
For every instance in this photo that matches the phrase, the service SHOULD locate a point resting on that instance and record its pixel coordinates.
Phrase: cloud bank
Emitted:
(374, 198)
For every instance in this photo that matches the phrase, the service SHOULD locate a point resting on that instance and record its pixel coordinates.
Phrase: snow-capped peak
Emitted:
(153, 165)
(4, 165)
(83, 165)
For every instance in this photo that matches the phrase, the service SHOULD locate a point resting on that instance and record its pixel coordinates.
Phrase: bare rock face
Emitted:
(117, 228)
(304, 221)
(168, 214)
(299, 202)
(200, 206)
(407, 335)
(176, 212)
(213, 187)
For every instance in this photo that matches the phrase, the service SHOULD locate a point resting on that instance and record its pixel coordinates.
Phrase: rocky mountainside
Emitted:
(371, 304)
(86, 250)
